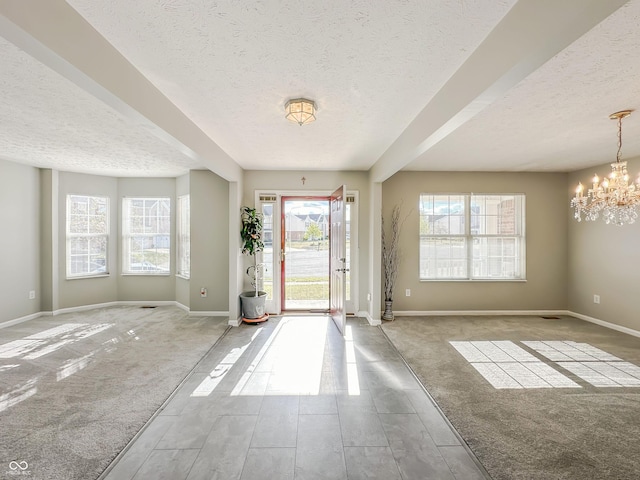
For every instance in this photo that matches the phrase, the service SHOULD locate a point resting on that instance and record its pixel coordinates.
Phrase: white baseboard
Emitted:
(202, 313)
(462, 313)
(602, 323)
(122, 303)
(372, 321)
(597, 321)
(235, 322)
(182, 307)
(16, 321)
(82, 308)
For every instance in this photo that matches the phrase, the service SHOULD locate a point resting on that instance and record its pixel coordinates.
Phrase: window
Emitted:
(183, 227)
(87, 235)
(267, 253)
(146, 227)
(472, 237)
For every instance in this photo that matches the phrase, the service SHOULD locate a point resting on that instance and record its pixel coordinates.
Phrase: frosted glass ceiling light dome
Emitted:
(300, 111)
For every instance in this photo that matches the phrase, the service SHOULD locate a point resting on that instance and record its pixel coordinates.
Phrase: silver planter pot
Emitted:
(252, 306)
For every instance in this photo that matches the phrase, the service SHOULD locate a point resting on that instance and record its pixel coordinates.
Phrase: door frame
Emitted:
(282, 200)
(274, 305)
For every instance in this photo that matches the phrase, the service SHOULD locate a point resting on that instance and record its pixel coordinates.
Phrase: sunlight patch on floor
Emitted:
(605, 374)
(296, 358)
(505, 365)
(19, 394)
(563, 351)
(73, 366)
(42, 343)
(353, 382)
(211, 381)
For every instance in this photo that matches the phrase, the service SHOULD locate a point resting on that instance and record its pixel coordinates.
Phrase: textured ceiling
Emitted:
(49, 122)
(557, 119)
(231, 66)
(373, 68)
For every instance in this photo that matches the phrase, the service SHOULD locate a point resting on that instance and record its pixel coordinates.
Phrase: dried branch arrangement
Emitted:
(391, 253)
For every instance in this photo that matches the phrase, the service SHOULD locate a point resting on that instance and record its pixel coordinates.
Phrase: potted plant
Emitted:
(390, 260)
(253, 302)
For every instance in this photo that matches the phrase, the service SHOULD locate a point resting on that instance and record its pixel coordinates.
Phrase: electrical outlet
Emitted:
(407, 292)
(203, 292)
(596, 299)
(368, 297)
(32, 294)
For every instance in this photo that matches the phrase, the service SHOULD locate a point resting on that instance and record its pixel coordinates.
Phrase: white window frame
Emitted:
(142, 266)
(90, 236)
(472, 239)
(183, 236)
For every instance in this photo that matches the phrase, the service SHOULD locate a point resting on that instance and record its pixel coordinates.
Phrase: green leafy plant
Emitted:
(312, 233)
(252, 244)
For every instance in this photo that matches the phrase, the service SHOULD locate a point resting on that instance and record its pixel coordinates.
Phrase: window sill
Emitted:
(184, 277)
(474, 280)
(83, 277)
(146, 274)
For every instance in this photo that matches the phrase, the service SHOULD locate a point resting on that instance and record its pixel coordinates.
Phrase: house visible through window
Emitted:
(183, 227)
(472, 237)
(146, 235)
(87, 235)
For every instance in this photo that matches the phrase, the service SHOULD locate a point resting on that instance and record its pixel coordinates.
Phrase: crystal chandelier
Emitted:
(614, 197)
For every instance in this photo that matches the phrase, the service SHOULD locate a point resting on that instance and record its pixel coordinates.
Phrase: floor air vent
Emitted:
(550, 317)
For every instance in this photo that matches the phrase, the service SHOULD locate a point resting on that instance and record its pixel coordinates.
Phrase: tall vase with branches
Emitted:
(391, 259)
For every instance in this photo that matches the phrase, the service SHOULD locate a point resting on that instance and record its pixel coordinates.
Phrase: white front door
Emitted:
(337, 258)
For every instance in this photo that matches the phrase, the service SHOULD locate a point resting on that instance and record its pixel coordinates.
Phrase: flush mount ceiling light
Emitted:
(300, 111)
(615, 197)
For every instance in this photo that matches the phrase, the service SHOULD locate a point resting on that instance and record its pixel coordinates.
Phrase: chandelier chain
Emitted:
(619, 137)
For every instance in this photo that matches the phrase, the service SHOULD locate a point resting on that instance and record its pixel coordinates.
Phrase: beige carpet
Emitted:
(529, 434)
(72, 398)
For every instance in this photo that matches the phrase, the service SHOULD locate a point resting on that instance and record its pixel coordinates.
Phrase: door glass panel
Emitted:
(267, 253)
(306, 254)
(347, 226)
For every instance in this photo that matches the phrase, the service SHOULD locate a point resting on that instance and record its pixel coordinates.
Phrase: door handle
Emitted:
(282, 254)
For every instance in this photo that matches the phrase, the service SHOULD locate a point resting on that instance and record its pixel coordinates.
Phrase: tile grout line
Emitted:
(444, 417)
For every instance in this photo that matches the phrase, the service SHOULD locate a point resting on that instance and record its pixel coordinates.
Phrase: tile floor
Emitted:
(293, 399)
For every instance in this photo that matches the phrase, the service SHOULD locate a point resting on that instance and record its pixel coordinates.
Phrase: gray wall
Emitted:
(20, 240)
(209, 241)
(87, 291)
(567, 262)
(33, 248)
(49, 186)
(324, 181)
(546, 243)
(603, 260)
